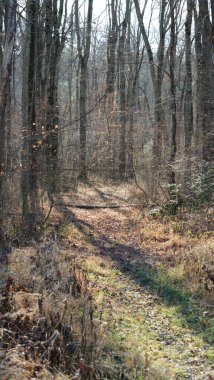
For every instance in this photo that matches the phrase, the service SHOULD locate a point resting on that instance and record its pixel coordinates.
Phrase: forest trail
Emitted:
(154, 329)
(123, 270)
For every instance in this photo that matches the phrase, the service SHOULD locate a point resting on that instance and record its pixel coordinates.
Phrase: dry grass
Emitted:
(51, 319)
(93, 316)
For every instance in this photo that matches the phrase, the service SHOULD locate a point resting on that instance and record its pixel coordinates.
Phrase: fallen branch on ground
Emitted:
(90, 207)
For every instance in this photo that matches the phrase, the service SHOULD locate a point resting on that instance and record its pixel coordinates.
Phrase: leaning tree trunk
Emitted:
(156, 72)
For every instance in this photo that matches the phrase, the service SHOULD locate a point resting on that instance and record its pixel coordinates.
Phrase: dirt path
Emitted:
(151, 327)
(155, 328)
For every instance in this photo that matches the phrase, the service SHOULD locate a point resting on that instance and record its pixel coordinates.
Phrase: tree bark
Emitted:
(6, 56)
(172, 56)
(7, 41)
(207, 82)
(122, 93)
(83, 53)
(54, 47)
(111, 47)
(188, 100)
(29, 159)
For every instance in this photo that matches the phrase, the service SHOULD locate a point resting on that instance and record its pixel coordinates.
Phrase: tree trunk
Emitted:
(29, 159)
(110, 85)
(83, 53)
(122, 94)
(7, 40)
(188, 101)
(172, 55)
(6, 56)
(54, 46)
(198, 52)
(158, 144)
(207, 82)
(134, 71)
(157, 79)
(83, 120)
(111, 47)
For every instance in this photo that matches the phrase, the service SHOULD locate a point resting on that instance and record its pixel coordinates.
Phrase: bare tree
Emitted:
(8, 11)
(111, 45)
(188, 101)
(30, 166)
(157, 73)
(55, 35)
(83, 47)
(172, 58)
(207, 81)
(122, 91)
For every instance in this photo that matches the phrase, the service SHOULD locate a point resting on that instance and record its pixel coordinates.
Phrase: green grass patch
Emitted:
(171, 290)
(159, 281)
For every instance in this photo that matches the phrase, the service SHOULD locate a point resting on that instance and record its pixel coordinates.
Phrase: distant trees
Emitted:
(170, 15)
(113, 95)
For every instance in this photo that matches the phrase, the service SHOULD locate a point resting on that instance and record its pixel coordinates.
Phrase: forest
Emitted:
(107, 189)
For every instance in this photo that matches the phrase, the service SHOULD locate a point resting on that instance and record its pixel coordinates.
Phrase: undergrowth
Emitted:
(72, 311)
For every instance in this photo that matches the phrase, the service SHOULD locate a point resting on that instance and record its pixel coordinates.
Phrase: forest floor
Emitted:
(150, 283)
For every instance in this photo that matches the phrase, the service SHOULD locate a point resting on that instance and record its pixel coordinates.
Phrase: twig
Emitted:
(137, 184)
(49, 212)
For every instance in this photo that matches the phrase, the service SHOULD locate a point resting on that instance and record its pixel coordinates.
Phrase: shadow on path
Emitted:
(132, 262)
